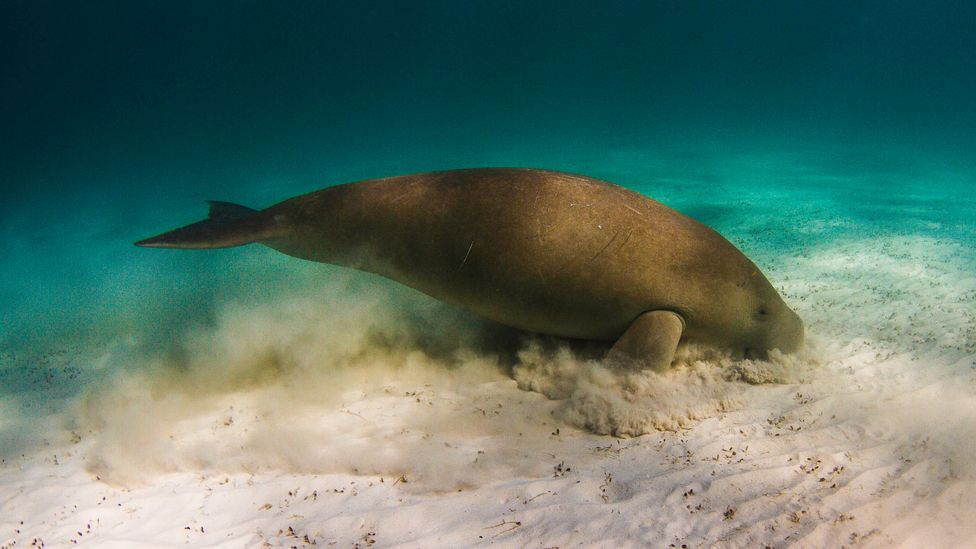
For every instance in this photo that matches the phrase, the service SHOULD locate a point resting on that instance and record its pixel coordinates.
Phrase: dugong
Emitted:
(542, 251)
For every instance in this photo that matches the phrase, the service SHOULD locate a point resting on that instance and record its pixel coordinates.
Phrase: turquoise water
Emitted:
(805, 133)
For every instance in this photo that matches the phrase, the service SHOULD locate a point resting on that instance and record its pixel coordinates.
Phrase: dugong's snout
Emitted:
(787, 334)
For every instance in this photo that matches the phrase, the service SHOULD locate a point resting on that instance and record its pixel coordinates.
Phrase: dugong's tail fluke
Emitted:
(228, 225)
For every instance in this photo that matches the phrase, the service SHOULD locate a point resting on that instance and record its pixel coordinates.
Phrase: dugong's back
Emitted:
(543, 251)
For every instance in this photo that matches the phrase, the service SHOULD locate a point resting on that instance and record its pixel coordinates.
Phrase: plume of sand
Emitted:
(369, 378)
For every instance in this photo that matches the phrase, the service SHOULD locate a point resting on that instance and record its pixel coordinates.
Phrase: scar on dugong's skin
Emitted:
(542, 251)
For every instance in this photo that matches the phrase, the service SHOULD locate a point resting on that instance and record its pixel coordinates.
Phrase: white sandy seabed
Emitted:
(317, 416)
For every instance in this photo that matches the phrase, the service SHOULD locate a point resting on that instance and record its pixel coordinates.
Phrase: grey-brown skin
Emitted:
(542, 251)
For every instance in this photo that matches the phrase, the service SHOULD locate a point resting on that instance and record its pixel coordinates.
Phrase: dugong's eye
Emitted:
(762, 313)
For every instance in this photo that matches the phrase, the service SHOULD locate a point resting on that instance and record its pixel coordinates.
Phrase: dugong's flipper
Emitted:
(228, 225)
(649, 342)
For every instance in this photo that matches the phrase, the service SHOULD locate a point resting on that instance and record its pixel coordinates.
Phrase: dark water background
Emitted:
(120, 118)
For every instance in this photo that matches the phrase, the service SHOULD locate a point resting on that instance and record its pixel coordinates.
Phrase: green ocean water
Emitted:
(794, 129)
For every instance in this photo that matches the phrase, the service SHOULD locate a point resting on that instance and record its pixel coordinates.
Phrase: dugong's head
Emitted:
(744, 314)
(766, 322)
(778, 328)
